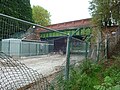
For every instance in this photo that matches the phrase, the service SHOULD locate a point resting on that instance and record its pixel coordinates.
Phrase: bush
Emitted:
(93, 76)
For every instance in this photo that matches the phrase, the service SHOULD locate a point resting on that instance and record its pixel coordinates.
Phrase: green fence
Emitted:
(19, 48)
(96, 52)
(17, 76)
(105, 48)
(18, 38)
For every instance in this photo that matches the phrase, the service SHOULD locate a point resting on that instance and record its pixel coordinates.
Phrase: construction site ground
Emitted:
(49, 64)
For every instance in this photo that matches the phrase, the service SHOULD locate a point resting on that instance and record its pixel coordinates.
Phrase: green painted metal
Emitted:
(76, 31)
(68, 57)
(52, 33)
(72, 31)
(9, 48)
(79, 31)
(87, 46)
(29, 23)
(86, 50)
(20, 50)
(87, 41)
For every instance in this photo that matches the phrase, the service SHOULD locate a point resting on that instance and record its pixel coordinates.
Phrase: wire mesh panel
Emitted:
(53, 54)
(10, 28)
(113, 41)
(16, 37)
(78, 49)
(17, 76)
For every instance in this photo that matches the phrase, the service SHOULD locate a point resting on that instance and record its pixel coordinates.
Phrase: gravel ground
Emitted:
(13, 77)
(47, 64)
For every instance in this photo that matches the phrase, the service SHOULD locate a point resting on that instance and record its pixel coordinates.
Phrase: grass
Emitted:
(104, 75)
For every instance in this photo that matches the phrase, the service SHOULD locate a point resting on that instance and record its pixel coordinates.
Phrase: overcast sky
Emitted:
(65, 10)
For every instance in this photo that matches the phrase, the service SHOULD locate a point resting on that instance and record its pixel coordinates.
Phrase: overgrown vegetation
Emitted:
(105, 12)
(104, 75)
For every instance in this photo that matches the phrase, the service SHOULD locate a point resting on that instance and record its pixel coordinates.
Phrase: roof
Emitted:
(67, 25)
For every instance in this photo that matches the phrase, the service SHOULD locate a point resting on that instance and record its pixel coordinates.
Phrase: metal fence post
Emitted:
(106, 47)
(29, 49)
(0, 46)
(87, 46)
(9, 48)
(20, 50)
(36, 49)
(98, 48)
(86, 50)
(67, 57)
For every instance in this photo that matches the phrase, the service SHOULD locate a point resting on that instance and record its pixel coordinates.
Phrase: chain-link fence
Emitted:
(20, 38)
(12, 28)
(105, 48)
(113, 42)
(77, 51)
(99, 51)
(15, 75)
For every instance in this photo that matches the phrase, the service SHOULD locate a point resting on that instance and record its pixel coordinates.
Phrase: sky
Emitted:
(64, 10)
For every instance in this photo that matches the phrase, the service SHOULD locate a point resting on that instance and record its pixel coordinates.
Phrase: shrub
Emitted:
(92, 76)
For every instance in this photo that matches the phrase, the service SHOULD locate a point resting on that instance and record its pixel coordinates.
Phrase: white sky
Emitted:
(65, 10)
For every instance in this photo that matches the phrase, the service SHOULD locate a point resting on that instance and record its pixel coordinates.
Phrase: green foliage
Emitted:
(17, 8)
(92, 76)
(107, 85)
(40, 15)
(106, 11)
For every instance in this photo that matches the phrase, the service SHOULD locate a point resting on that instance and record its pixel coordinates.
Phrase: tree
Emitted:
(17, 8)
(105, 12)
(40, 15)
